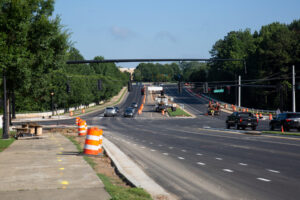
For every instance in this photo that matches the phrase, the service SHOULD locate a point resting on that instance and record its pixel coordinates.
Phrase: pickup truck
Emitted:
(242, 120)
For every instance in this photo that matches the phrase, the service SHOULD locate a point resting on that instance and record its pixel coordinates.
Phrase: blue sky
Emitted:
(164, 28)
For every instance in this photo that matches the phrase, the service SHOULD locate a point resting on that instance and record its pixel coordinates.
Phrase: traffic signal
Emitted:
(68, 88)
(99, 84)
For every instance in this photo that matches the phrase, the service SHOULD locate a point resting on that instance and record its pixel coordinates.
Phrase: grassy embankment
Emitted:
(5, 143)
(102, 106)
(179, 112)
(117, 192)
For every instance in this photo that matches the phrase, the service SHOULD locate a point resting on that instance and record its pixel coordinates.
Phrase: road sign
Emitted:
(219, 91)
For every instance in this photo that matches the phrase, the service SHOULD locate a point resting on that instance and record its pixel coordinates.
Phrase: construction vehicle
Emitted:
(213, 109)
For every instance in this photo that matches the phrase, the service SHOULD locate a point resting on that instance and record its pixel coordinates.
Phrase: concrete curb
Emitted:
(136, 176)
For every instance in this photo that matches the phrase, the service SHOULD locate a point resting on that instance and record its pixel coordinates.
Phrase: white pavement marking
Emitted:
(274, 171)
(228, 170)
(219, 158)
(143, 147)
(183, 150)
(181, 158)
(152, 150)
(165, 154)
(160, 145)
(171, 147)
(199, 154)
(201, 163)
(243, 164)
(263, 179)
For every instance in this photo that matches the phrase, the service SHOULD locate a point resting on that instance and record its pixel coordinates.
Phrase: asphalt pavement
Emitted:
(199, 159)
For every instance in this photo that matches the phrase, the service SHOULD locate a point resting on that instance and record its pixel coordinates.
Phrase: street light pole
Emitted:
(5, 118)
(239, 95)
(294, 90)
(52, 105)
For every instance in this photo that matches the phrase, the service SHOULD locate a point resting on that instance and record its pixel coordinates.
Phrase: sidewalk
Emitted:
(47, 168)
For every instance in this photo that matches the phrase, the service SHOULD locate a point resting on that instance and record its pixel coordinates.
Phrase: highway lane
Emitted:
(234, 165)
(198, 107)
(193, 161)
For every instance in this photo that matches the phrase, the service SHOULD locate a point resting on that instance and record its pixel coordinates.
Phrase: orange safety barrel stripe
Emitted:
(92, 142)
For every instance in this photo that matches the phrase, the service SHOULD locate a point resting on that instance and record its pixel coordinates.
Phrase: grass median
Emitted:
(4, 143)
(178, 113)
(280, 133)
(117, 190)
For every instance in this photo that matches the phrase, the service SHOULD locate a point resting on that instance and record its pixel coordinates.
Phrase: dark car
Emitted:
(134, 105)
(129, 112)
(242, 120)
(288, 120)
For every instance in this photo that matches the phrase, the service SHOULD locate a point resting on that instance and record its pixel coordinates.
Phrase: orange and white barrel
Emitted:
(260, 115)
(270, 116)
(71, 113)
(91, 146)
(257, 115)
(82, 128)
(100, 141)
(82, 110)
(77, 120)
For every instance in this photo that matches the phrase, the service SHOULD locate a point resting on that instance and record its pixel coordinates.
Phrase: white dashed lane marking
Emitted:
(199, 154)
(263, 179)
(181, 158)
(171, 147)
(219, 158)
(228, 170)
(165, 154)
(201, 163)
(183, 150)
(152, 150)
(273, 171)
(243, 164)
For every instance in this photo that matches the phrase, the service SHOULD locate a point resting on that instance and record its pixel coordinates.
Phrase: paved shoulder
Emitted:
(47, 168)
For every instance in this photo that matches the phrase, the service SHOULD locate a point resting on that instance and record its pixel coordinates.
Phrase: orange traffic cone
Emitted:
(282, 131)
(270, 116)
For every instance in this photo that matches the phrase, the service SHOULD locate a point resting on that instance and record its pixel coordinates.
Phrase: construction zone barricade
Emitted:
(82, 128)
(77, 121)
(92, 144)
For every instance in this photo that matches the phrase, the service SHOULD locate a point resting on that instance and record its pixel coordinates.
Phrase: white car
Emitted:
(110, 112)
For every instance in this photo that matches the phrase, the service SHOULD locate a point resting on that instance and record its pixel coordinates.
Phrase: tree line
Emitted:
(269, 55)
(34, 48)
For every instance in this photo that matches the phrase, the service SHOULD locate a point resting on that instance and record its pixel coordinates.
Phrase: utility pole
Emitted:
(239, 95)
(294, 91)
(5, 114)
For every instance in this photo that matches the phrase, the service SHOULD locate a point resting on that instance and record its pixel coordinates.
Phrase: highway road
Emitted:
(199, 159)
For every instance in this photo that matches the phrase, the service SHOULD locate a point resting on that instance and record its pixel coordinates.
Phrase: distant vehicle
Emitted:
(134, 105)
(117, 109)
(129, 112)
(242, 120)
(288, 120)
(110, 112)
(143, 91)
